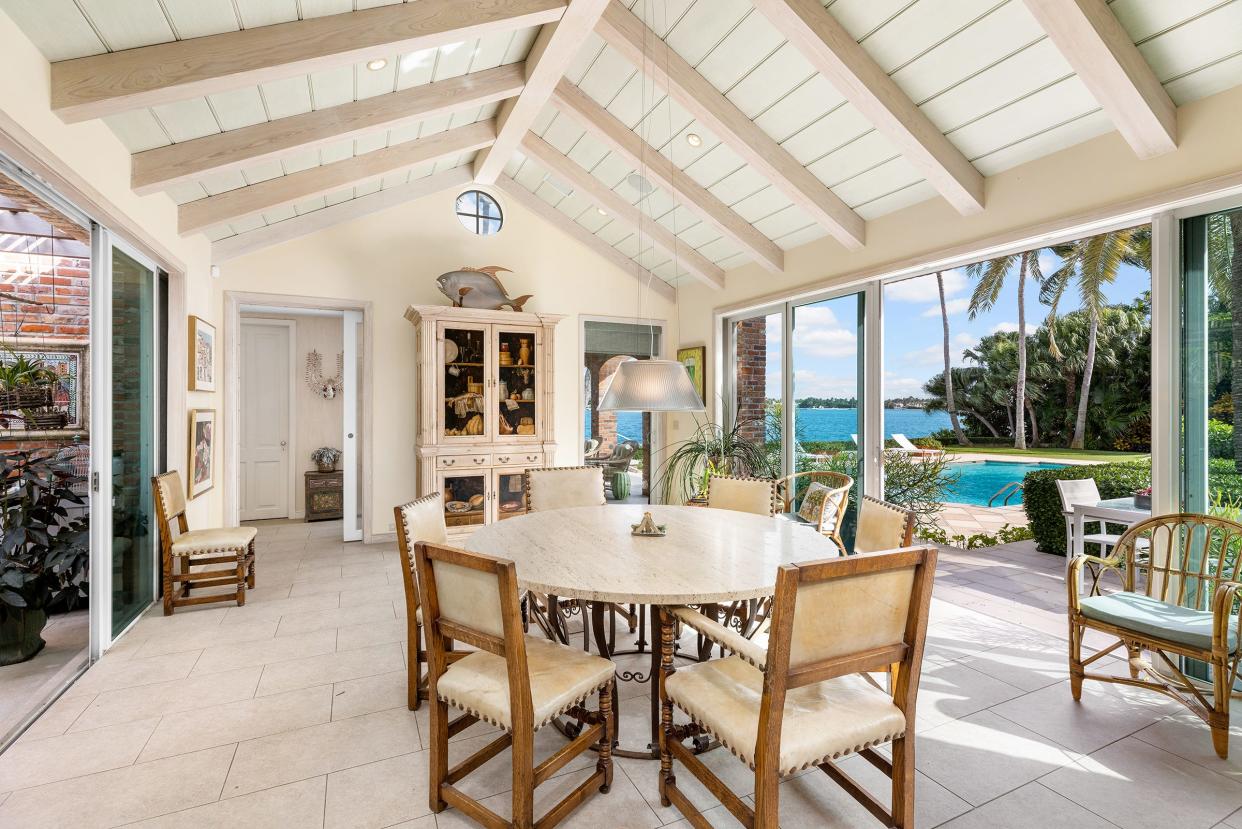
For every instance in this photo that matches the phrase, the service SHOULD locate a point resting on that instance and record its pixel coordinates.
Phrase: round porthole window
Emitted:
(479, 213)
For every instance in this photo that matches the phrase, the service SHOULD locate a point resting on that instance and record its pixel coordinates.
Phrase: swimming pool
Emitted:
(980, 480)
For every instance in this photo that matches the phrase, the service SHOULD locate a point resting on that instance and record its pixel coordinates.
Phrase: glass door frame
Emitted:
(103, 241)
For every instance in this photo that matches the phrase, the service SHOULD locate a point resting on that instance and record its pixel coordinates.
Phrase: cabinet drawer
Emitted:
(518, 458)
(462, 461)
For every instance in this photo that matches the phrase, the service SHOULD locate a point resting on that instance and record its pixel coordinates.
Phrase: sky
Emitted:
(825, 355)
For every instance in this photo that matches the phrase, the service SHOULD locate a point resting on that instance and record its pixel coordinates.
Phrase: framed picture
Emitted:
(202, 441)
(71, 393)
(202, 355)
(695, 361)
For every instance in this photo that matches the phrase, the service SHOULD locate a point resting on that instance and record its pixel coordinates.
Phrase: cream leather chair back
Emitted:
(757, 495)
(850, 614)
(882, 526)
(561, 487)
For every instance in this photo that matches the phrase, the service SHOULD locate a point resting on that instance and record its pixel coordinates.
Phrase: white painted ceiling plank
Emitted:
(128, 25)
(199, 18)
(57, 27)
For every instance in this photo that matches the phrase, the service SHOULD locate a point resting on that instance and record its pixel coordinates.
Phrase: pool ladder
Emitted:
(1008, 490)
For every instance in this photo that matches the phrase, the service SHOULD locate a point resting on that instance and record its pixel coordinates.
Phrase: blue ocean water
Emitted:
(980, 480)
(820, 424)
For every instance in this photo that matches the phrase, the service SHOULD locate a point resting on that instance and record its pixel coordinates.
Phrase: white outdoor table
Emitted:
(1113, 510)
(708, 557)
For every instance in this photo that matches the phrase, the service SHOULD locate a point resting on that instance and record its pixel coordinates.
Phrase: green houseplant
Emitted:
(44, 553)
(325, 458)
(713, 450)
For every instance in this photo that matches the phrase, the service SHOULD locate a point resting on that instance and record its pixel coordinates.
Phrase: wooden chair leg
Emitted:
(666, 707)
(168, 585)
(1134, 652)
(241, 580)
(1219, 716)
(767, 799)
(1076, 669)
(604, 764)
(523, 781)
(250, 576)
(414, 674)
(903, 782)
(439, 753)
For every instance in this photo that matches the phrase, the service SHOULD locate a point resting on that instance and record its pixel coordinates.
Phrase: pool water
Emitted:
(980, 480)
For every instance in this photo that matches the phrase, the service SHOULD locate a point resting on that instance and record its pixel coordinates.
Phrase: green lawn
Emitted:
(1051, 452)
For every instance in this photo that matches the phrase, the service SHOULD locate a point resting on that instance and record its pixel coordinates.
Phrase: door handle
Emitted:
(350, 435)
(283, 444)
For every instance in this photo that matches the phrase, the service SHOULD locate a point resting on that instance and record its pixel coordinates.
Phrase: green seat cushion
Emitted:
(1143, 614)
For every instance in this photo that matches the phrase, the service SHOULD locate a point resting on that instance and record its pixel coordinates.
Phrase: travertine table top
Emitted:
(709, 555)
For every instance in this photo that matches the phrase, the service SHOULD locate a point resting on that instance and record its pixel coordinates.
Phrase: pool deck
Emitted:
(966, 457)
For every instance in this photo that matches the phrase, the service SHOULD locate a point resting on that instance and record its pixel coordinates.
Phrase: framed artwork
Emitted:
(69, 361)
(202, 355)
(695, 361)
(202, 442)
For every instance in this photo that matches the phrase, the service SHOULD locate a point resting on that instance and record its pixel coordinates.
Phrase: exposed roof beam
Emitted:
(100, 85)
(549, 57)
(643, 48)
(317, 220)
(560, 165)
(626, 143)
(562, 222)
(1105, 58)
(163, 167)
(834, 53)
(317, 181)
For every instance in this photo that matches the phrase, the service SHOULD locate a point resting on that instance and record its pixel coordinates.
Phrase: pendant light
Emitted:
(651, 385)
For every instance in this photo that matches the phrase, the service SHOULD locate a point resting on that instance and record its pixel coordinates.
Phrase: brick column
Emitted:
(751, 361)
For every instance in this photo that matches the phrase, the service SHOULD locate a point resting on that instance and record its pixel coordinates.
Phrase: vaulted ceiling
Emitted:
(756, 125)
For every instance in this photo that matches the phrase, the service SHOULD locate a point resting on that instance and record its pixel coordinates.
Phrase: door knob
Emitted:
(350, 435)
(283, 444)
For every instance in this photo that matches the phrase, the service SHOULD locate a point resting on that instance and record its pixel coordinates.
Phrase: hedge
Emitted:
(1220, 439)
(1043, 503)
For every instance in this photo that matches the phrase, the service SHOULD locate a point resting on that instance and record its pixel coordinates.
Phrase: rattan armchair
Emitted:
(1178, 596)
(803, 502)
(806, 700)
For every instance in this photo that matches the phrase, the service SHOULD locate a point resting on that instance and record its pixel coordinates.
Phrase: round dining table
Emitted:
(708, 557)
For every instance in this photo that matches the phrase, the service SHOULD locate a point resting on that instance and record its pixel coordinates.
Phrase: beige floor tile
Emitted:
(1106, 714)
(718, 818)
(1026, 665)
(950, 691)
(369, 694)
(37, 762)
(123, 795)
(1187, 736)
(238, 721)
(1112, 783)
(1031, 807)
(161, 643)
(297, 805)
(57, 718)
(331, 667)
(983, 755)
(280, 607)
(352, 584)
(295, 623)
(315, 571)
(372, 633)
(644, 774)
(185, 619)
(127, 704)
(428, 822)
(378, 794)
(374, 595)
(111, 674)
(320, 749)
(265, 651)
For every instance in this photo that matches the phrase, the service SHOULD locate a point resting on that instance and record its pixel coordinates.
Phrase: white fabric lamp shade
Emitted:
(651, 386)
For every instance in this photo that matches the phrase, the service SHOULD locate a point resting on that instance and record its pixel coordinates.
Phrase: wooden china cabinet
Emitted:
(485, 407)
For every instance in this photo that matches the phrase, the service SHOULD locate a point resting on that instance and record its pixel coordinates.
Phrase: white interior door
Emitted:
(352, 347)
(264, 450)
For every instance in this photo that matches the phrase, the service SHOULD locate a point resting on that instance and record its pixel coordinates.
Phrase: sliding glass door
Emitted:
(126, 422)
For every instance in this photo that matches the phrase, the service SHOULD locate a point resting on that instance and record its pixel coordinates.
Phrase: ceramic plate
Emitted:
(450, 351)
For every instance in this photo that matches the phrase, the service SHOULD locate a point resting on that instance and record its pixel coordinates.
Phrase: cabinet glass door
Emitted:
(518, 389)
(465, 499)
(463, 382)
(510, 493)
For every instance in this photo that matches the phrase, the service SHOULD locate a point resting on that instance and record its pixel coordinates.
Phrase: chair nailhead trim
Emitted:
(464, 708)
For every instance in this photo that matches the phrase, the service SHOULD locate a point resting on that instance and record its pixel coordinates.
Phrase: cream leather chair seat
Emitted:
(218, 540)
(822, 721)
(560, 676)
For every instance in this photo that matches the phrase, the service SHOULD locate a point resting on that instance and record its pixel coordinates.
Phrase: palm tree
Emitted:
(1224, 253)
(990, 276)
(1095, 261)
(950, 405)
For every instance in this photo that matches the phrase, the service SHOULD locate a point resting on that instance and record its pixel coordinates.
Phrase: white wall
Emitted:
(391, 259)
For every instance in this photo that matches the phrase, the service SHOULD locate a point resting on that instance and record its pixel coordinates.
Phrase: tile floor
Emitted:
(290, 712)
(26, 686)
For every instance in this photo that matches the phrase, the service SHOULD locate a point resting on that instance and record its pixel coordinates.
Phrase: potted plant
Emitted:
(325, 458)
(24, 383)
(44, 554)
(713, 450)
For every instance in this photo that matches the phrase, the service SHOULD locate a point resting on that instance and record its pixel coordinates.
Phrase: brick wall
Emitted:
(751, 361)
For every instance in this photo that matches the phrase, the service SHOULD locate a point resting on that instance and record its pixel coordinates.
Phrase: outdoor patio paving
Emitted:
(290, 712)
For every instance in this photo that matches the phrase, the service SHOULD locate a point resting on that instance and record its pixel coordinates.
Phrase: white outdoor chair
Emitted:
(1083, 491)
(905, 445)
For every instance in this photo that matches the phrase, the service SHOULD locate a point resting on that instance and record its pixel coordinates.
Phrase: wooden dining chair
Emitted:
(516, 682)
(232, 547)
(561, 487)
(882, 526)
(419, 520)
(807, 699)
(757, 495)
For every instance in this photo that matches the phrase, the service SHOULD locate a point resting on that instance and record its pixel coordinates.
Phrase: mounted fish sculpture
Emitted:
(479, 288)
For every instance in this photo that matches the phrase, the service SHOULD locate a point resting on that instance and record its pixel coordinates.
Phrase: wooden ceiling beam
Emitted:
(158, 169)
(565, 224)
(317, 181)
(1104, 57)
(100, 85)
(578, 177)
(625, 142)
(646, 51)
(335, 214)
(549, 57)
(834, 53)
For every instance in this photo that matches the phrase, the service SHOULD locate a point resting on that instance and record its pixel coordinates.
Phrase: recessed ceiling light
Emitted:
(694, 139)
(601, 211)
(377, 64)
